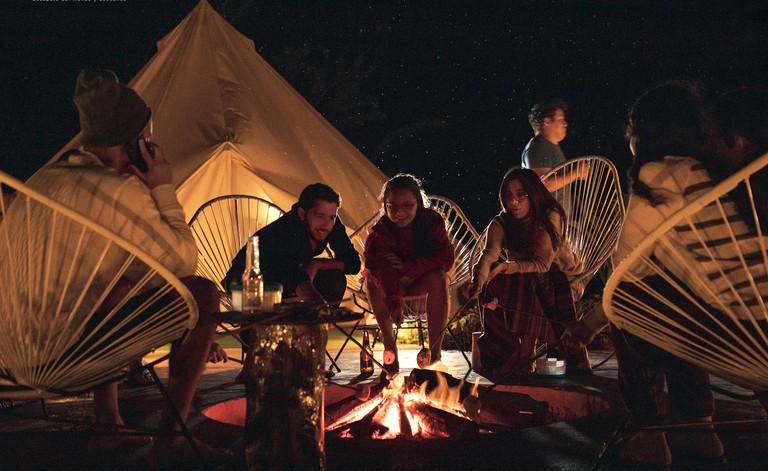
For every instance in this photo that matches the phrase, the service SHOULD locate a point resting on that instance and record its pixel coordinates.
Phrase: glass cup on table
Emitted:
(273, 294)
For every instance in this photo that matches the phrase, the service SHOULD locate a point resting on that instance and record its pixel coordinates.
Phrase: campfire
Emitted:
(412, 407)
(428, 404)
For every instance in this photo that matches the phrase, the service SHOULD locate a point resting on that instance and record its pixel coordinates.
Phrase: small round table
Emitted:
(284, 373)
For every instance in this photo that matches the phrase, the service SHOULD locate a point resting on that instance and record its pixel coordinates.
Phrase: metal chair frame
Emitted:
(595, 213)
(56, 340)
(221, 227)
(594, 210)
(463, 237)
(725, 277)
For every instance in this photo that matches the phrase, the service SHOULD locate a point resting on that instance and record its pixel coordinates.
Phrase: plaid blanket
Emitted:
(518, 308)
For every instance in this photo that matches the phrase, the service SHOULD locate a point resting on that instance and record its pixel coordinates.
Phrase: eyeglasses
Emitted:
(394, 208)
(516, 197)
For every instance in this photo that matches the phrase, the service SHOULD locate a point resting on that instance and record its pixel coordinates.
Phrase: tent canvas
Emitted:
(229, 123)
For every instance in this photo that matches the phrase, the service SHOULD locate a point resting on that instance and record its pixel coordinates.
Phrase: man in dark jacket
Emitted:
(289, 246)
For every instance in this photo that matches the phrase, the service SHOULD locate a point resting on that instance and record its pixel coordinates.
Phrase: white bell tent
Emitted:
(230, 124)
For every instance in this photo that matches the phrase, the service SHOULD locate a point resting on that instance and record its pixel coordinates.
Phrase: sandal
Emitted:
(140, 379)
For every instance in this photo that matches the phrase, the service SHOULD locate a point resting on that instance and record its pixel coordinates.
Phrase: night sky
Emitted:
(438, 89)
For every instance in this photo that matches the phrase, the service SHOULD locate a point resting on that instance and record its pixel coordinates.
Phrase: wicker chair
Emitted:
(221, 228)
(463, 237)
(58, 335)
(717, 266)
(594, 211)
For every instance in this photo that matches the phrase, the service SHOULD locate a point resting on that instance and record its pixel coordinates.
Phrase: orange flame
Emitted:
(402, 412)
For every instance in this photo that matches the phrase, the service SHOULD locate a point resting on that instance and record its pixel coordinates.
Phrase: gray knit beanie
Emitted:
(110, 113)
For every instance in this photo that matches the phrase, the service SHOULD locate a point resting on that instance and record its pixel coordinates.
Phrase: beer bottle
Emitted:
(253, 281)
(366, 363)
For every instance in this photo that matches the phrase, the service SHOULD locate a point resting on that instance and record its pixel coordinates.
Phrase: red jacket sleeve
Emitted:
(380, 242)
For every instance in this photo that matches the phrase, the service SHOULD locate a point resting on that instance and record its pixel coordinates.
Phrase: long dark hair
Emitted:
(423, 242)
(672, 118)
(542, 202)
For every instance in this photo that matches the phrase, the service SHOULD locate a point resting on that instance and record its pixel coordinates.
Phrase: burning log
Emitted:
(433, 379)
(390, 420)
(434, 404)
(437, 423)
(491, 408)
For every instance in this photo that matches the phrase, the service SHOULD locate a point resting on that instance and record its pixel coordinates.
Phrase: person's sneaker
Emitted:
(647, 447)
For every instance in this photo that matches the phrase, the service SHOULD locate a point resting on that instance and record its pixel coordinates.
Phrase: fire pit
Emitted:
(429, 416)
(430, 404)
(511, 429)
(409, 409)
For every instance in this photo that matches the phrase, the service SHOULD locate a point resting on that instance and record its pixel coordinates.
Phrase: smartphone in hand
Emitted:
(134, 153)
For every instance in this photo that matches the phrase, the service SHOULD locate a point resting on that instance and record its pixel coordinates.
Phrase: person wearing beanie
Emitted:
(111, 113)
(100, 181)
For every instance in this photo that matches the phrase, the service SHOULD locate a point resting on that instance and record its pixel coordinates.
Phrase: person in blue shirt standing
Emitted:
(543, 152)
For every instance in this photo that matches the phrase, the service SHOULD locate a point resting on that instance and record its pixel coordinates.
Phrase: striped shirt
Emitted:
(701, 254)
(152, 220)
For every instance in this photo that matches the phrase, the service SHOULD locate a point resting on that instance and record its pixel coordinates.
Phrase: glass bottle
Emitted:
(236, 288)
(253, 281)
(366, 355)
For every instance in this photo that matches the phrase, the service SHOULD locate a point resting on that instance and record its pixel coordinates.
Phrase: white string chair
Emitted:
(463, 236)
(57, 337)
(696, 287)
(702, 251)
(594, 210)
(222, 226)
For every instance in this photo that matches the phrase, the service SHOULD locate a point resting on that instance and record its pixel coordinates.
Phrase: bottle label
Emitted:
(237, 300)
(253, 293)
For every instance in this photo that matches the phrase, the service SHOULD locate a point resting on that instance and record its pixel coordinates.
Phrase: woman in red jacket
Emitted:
(408, 252)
